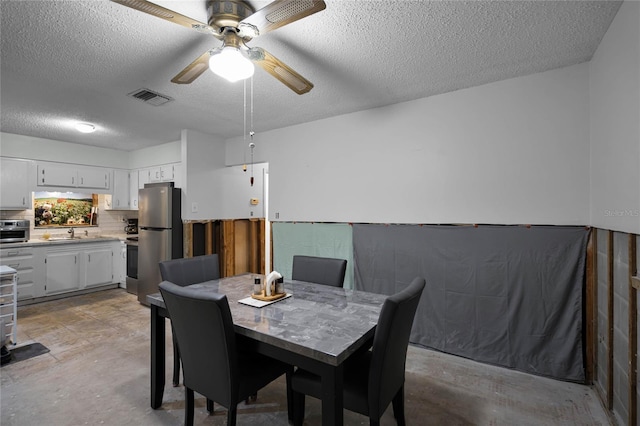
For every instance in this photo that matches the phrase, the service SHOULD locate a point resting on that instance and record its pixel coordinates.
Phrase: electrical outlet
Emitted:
(194, 207)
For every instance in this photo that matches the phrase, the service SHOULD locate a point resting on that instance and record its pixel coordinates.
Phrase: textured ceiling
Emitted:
(64, 61)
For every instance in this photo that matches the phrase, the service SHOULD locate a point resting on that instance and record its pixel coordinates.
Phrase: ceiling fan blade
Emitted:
(281, 12)
(193, 70)
(280, 70)
(164, 13)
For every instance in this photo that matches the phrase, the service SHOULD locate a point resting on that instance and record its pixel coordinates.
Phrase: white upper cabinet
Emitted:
(72, 176)
(57, 175)
(133, 190)
(164, 173)
(15, 192)
(144, 176)
(119, 199)
(93, 177)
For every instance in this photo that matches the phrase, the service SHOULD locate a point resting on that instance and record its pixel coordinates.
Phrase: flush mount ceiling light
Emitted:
(230, 64)
(85, 127)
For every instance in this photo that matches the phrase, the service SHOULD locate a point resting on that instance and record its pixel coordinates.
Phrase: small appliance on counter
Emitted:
(14, 231)
(132, 226)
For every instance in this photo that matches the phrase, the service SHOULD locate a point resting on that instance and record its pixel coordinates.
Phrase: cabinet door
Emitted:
(155, 174)
(166, 173)
(93, 177)
(133, 190)
(98, 266)
(177, 175)
(57, 175)
(120, 198)
(120, 263)
(144, 176)
(62, 272)
(14, 184)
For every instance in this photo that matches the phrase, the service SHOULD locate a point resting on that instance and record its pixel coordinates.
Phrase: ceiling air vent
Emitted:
(149, 97)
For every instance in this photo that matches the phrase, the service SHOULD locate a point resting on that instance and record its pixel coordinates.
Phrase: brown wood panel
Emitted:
(187, 239)
(241, 246)
(209, 246)
(254, 246)
(610, 315)
(633, 333)
(228, 248)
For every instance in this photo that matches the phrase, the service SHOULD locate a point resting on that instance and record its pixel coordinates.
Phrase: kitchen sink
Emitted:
(63, 238)
(83, 237)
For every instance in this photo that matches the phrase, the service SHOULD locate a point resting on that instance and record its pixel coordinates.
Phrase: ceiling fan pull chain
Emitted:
(244, 128)
(251, 133)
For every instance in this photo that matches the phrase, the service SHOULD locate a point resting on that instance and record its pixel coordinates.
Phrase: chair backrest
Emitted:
(389, 352)
(203, 327)
(190, 270)
(320, 270)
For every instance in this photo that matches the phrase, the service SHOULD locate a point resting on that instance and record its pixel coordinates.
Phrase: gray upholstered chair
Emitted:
(212, 363)
(321, 270)
(184, 272)
(373, 379)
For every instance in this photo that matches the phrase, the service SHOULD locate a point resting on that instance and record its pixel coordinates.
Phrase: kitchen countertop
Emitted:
(61, 241)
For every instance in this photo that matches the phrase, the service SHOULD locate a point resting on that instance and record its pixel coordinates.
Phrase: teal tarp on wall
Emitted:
(312, 239)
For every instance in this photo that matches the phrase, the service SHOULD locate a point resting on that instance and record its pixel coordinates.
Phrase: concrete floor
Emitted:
(97, 372)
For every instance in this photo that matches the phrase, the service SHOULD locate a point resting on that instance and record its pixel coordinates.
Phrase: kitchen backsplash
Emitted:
(110, 222)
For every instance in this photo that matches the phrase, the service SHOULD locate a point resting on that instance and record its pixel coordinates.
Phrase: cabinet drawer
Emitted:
(19, 263)
(8, 327)
(25, 277)
(6, 299)
(7, 311)
(6, 288)
(18, 258)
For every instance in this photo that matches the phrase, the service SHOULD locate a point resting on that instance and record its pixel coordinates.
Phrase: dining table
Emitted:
(317, 328)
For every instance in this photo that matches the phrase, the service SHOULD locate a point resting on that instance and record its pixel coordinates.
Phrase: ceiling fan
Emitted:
(235, 23)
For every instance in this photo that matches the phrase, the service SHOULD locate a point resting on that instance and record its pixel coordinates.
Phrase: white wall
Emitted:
(155, 155)
(19, 146)
(515, 151)
(614, 82)
(218, 191)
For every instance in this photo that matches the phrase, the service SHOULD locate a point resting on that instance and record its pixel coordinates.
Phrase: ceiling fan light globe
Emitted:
(85, 127)
(231, 65)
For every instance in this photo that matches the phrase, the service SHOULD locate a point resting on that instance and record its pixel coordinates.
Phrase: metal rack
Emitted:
(9, 302)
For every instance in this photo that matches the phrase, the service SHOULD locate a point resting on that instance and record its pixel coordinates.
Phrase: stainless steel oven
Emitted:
(132, 264)
(14, 231)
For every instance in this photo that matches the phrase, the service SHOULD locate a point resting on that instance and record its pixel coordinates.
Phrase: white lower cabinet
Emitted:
(74, 267)
(98, 266)
(23, 260)
(62, 271)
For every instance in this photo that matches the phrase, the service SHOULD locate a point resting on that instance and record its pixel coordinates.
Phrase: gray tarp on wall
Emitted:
(504, 295)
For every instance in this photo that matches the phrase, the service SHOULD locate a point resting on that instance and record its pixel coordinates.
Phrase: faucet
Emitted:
(72, 232)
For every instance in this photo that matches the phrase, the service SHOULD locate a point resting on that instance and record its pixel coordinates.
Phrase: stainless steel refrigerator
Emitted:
(159, 233)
